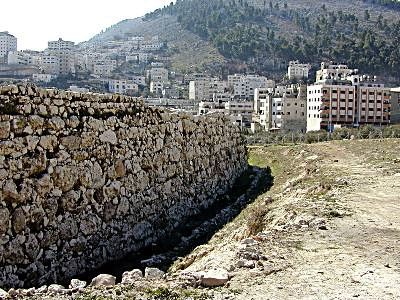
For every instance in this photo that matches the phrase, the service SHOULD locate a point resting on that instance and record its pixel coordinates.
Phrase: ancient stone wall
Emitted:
(88, 178)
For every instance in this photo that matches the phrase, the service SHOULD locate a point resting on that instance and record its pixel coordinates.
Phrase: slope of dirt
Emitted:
(331, 231)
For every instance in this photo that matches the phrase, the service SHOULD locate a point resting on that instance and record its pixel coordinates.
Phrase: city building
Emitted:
(243, 86)
(76, 89)
(283, 108)
(126, 87)
(346, 99)
(20, 58)
(334, 72)
(239, 112)
(156, 87)
(298, 71)
(395, 105)
(43, 77)
(49, 64)
(158, 74)
(139, 80)
(206, 89)
(63, 50)
(8, 43)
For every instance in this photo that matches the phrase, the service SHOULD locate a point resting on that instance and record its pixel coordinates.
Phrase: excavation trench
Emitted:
(196, 231)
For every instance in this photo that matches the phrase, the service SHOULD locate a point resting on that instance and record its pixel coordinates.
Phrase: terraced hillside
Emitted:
(266, 34)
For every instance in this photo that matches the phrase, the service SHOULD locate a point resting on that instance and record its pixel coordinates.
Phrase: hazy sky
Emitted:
(34, 22)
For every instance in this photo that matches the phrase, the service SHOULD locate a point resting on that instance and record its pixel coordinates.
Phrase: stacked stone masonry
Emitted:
(87, 178)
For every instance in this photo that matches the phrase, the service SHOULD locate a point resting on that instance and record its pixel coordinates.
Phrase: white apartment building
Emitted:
(151, 46)
(132, 58)
(243, 86)
(123, 87)
(76, 89)
(334, 72)
(156, 87)
(206, 89)
(21, 58)
(239, 112)
(296, 70)
(8, 43)
(43, 77)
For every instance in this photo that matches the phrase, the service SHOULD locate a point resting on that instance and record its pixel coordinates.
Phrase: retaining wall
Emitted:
(88, 178)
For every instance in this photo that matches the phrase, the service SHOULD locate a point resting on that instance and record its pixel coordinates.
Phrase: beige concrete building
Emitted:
(282, 108)
(126, 87)
(158, 74)
(347, 100)
(64, 51)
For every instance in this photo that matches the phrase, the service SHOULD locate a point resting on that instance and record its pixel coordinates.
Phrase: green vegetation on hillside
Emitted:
(252, 34)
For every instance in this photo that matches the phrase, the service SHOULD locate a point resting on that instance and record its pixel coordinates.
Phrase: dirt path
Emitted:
(352, 188)
(359, 255)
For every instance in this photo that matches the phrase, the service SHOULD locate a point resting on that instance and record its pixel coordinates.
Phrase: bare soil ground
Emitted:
(330, 227)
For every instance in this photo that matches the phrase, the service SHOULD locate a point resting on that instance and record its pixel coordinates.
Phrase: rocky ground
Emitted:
(328, 229)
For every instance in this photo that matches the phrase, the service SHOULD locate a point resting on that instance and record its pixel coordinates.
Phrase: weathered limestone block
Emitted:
(4, 220)
(65, 177)
(103, 280)
(10, 192)
(18, 220)
(48, 142)
(56, 123)
(71, 142)
(4, 130)
(109, 136)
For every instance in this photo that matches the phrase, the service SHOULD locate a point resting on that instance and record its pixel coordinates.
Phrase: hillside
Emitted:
(189, 52)
(266, 34)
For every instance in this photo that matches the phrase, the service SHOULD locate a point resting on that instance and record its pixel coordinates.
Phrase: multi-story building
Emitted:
(8, 43)
(20, 58)
(43, 77)
(334, 72)
(156, 87)
(139, 80)
(346, 99)
(296, 70)
(103, 69)
(243, 86)
(60, 44)
(49, 64)
(395, 105)
(206, 89)
(64, 51)
(158, 74)
(239, 112)
(283, 108)
(126, 87)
